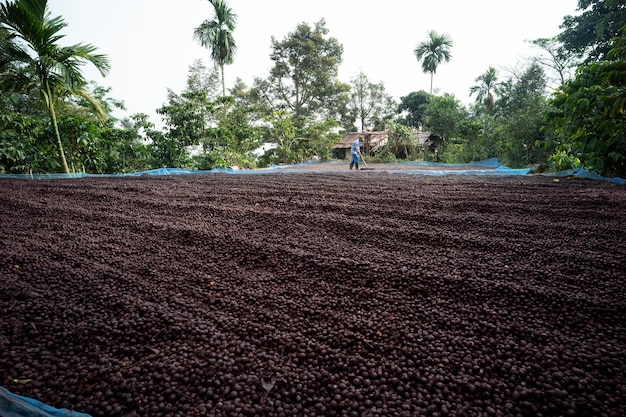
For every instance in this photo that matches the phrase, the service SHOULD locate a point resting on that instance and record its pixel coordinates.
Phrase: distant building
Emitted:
(373, 142)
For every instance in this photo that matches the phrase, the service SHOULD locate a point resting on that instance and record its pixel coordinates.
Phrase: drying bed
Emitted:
(315, 294)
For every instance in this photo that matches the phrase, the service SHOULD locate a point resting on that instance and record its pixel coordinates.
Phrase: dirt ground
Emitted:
(315, 294)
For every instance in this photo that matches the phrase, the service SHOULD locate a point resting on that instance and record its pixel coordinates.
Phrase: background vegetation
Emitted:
(562, 109)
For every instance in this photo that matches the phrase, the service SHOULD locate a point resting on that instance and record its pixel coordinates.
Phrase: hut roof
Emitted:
(374, 139)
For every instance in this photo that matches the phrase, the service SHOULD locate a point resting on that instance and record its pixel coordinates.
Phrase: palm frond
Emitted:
(97, 107)
(217, 34)
(13, 52)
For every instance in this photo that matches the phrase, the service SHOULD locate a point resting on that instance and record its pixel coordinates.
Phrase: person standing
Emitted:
(355, 150)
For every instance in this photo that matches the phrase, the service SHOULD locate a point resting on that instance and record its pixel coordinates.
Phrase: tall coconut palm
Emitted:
(217, 35)
(433, 52)
(484, 91)
(32, 42)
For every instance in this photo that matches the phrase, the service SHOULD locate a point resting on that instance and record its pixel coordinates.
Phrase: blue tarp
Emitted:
(491, 167)
(583, 173)
(12, 405)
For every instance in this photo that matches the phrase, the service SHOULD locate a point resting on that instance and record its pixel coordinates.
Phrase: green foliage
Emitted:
(443, 115)
(563, 159)
(167, 152)
(304, 79)
(295, 144)
(589, 114)
(236, 126)
(386, 156)
(472, 146)
(369, 104)
(517, 132)
(222, 128)
(592, 31)
(231, 139)
(225, 158)
(590, 117)
(283, 133)
(101, 149)
(22, 148)
(300, 106)
(188, 118)
(402, 141)
(433, 52)
(454, 152)
(217, 35)
(413, 107)
(32, 43)
(321, 137)
(485, 89)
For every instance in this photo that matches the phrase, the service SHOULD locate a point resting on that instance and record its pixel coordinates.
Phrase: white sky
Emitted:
(150, 44)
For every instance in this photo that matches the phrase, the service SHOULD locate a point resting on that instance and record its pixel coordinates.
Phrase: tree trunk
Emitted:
(431, 83)
(223, 81)
(53, 117)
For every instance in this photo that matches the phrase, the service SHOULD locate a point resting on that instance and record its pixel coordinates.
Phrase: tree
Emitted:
(187, 117)
(371, 104)
(519, 113)
(223, 127)
(33, 37)
(443, 115)
(201, 78)
(592, 31)
(234, 135)
(558, 58)
(401, 140)
(284, 134)
(589, 113)
(485, 88)
(304, 79)
(217, 35)
(433, 52)
(413, 107)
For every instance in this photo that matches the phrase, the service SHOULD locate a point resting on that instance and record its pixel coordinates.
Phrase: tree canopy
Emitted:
(591, 32)
(370, 103)
(434, 51)
(412, 108)
(217, 35)
(48, 110)
(304, 79)
(485, 88)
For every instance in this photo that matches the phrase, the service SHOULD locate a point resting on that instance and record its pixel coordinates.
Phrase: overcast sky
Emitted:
(150, 43)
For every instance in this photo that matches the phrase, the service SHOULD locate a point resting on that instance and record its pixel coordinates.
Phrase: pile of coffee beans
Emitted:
(315, 294)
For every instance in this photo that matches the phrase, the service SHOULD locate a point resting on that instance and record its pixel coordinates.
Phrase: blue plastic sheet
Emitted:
(12, 405)
(490, 167)
(583, 173)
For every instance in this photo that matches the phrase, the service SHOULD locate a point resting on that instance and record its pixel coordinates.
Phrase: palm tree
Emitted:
(485, 93)
(32, 43)
(485, 89)
(217, 35)
(433, 52)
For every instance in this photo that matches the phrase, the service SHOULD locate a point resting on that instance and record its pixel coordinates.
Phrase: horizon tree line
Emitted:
(312, 110)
